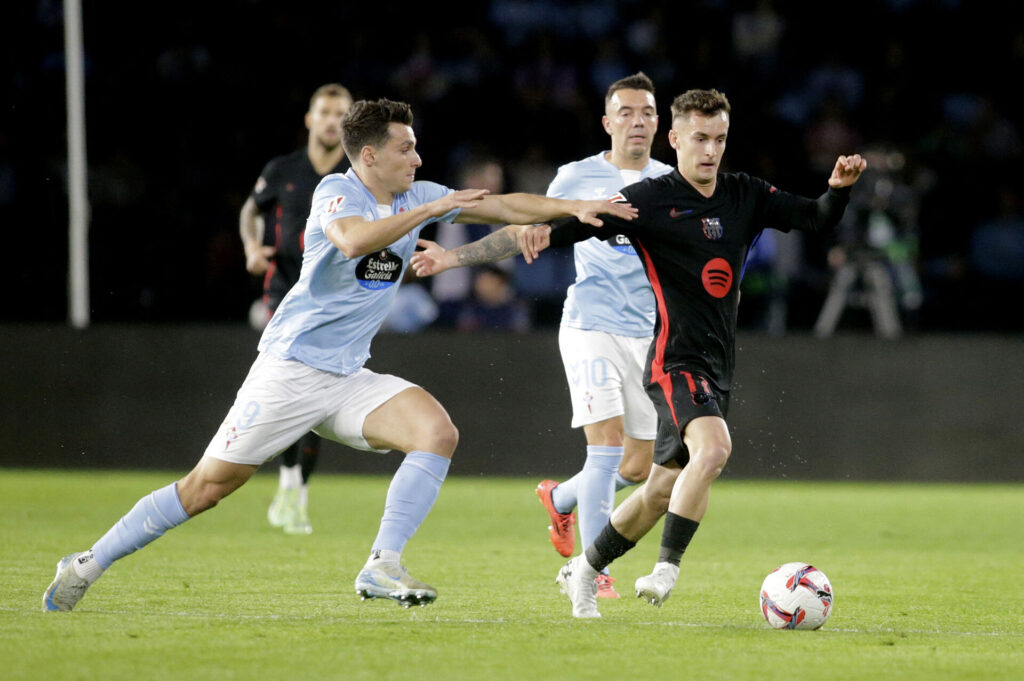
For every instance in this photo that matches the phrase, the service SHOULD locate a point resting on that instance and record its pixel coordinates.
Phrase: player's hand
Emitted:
(463, 198)
(532, 240)
(847, 171)
(431, 260)
(257, 260)
(589, 210)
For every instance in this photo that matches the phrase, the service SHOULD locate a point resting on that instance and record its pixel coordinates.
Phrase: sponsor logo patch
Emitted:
(621, 244)
(334, 205)
(379, 270)
(717, 277)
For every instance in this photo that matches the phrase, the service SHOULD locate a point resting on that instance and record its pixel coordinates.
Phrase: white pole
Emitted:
(78, 202)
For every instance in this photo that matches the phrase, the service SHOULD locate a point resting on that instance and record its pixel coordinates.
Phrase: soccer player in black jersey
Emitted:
(693, 233)
(271, 225)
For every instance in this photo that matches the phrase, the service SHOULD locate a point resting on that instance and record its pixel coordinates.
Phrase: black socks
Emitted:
(675, 537)
(608, 546)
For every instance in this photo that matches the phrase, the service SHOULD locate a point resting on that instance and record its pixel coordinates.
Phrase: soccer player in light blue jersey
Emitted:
(606, 329)
(309, 375)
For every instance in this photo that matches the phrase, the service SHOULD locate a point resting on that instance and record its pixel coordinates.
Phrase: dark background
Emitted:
(935, 407)
(186, 101)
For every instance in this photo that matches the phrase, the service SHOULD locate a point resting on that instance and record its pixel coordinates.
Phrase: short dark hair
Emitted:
(704, 102)
(638, 81)
(330, 90)
(366, 123)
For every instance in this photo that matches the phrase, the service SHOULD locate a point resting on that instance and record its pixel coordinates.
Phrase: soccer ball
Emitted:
(796, 596)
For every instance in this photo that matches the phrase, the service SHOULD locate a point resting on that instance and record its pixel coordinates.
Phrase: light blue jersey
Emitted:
(611, 292)
(329, 317)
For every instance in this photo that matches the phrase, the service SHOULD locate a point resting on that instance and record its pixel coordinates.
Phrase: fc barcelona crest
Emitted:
(712, 228)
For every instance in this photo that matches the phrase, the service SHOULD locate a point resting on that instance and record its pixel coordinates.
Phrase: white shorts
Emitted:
(281, 400)
(605, 373)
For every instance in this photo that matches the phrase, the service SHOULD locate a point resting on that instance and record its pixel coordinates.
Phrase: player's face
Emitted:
(699, 142)
(631, 119)
(396, 162)
(324, 120)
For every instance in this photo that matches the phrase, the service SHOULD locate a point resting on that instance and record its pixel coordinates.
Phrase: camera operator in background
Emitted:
(875, 257)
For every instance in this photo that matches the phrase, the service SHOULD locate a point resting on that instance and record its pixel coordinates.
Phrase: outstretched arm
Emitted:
(434, 259)
(529, 240)
(785, 211)
(354, 236)
(534, 208)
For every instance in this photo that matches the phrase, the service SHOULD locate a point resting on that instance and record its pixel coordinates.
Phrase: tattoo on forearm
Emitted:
(493, 247)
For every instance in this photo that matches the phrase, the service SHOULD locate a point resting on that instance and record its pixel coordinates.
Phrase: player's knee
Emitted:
(450, 438)
(197, 495)
(635, 471)
(656, 496)
(203, 503)
(657, 501)
(710, 460)
(606, 433)
(440, 437)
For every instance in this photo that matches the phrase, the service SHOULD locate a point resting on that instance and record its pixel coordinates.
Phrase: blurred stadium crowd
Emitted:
(185, 102)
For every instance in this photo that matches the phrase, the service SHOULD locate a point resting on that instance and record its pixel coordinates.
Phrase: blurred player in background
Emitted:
(309, 374)
(271, 224)
(606, 328)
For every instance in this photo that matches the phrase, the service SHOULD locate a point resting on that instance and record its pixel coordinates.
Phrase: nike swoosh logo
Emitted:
(678, 213)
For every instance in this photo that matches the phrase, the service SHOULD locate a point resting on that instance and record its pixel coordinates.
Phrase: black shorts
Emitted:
(679, 397)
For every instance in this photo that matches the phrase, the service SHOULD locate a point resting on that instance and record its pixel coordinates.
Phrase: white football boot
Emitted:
(393, 581)
(656, 587)
(576, 580)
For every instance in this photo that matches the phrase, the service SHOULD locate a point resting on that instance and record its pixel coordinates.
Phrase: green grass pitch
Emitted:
(928, 583)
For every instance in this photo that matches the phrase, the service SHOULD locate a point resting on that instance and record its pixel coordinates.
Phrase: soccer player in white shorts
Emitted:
(604, 372)
(360, 235)
(605, 333)
(283, 396)
(605, 376)
(606, 328)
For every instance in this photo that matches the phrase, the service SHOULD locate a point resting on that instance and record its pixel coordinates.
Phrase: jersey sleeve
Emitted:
(336, 198)
(785, 212)
(566, 231)
(264, 192)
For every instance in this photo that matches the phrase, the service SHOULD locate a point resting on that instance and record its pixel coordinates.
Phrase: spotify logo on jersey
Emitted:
(379, 270)
(717, 277)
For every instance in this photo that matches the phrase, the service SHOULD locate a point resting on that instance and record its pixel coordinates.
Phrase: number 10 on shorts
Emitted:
(589, 373)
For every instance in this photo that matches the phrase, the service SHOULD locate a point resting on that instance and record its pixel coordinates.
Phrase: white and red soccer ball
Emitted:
(796, 596)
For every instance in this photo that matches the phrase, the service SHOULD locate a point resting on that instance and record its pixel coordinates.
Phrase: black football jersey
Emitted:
(284, 194)
(693, 249)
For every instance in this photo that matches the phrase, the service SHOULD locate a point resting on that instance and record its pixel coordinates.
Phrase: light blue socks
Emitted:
(565, 496)
(412, 493)
(153, 515)
(596, 491)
